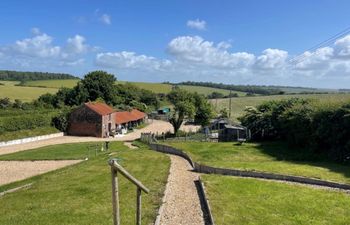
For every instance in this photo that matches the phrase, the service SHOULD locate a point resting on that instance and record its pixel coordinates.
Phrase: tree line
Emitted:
(318, 130)
(29, 76)
(253, 89)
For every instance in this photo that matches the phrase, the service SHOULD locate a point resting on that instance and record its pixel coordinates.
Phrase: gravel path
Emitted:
(11, 171)
(181, 202)
(154, 126)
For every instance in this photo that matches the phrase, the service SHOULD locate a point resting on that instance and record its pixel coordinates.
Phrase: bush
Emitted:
(61, 121)
(323, 130)
(24, 122)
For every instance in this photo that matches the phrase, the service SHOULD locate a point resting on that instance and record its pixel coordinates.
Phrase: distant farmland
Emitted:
(25, 94)
(155, 87)
(239, 104)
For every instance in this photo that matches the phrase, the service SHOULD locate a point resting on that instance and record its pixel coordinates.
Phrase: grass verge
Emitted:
(248, 201)
(272, 157)
(81, 194)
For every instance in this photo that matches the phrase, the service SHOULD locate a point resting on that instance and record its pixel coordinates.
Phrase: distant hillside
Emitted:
(27, 76)
(254, 89)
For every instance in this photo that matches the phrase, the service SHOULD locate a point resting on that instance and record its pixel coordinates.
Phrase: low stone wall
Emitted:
(242, 173)
(209, 217)
(171, 150)
(30, 139)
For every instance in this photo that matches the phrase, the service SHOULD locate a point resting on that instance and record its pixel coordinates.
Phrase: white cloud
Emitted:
(197, 24)
(35, 31)
(130, 60)
(40, 52)
(77, 44)
(197, 50)
(106, 19)
(272, 59)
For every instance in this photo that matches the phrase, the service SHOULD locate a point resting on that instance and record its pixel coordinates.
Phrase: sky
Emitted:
(233, 41)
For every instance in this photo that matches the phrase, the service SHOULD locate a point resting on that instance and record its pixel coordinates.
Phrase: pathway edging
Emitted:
(242, 173)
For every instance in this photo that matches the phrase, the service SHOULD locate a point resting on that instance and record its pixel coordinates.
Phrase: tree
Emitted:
(183, 107)
(188, 105)
(99, 84)
(203, 110)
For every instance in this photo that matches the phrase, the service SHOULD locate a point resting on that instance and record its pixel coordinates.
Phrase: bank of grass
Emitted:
(81, 194)
(239, 104)
(25, 94)
(273, 157)
(13, 135)
(250, 201)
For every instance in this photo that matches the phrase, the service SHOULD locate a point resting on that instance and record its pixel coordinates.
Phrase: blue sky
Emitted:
(241, 42)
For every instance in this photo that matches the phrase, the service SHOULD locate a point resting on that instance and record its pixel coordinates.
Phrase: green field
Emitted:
(155, 87)
(26, 94)
(52, 83)
(272, 157)
(239, 104)
(81, 194)
(244, 201)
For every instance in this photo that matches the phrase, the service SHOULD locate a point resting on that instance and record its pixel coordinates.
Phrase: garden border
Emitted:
(243, 173)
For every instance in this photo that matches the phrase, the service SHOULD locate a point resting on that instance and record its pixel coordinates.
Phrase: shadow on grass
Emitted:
(282, 152)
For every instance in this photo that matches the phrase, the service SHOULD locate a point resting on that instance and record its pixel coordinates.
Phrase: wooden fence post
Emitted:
(115, 197)
(138, 206)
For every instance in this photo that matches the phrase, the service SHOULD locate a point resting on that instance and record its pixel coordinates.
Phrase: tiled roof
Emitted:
(138, 114)
(125, 116)
(100, 108)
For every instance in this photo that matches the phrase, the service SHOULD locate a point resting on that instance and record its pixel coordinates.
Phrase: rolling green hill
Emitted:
(155, 87)
(25, 94)
(239, 104)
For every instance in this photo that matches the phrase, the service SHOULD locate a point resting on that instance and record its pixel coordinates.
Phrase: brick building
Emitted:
(92, 119)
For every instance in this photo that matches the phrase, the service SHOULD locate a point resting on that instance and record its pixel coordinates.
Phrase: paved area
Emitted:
(182, 204)
(11, 171)
(154, 126)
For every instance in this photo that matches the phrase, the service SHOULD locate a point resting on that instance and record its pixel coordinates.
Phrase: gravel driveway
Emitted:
(182, 204)
(154, 126)
(11, 171)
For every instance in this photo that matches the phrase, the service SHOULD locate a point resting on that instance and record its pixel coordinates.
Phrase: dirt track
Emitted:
(154, 126)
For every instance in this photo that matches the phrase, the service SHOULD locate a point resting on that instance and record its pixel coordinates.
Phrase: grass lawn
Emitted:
(7, 136)
(247, 201)
(81, 194)
(268, 157)
(239, 104)
(25, 94)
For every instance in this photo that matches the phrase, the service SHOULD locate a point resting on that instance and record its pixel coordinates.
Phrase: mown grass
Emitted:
(208, 90)
(249, 201)
(239, 104)
(81, 194)
(7, 136)
(25, 94)
(267, 157)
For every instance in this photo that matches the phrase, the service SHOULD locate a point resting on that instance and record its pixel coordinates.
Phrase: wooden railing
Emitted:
(115, 169)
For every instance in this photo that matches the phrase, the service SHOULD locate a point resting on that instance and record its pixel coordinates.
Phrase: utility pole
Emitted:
(230, 102)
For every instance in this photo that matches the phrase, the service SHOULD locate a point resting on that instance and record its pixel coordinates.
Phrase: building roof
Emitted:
(100, 108)
(126, 116)
(234, 127)
(123, 117)
(137, 114)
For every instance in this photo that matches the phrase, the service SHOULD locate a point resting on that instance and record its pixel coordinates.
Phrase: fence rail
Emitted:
(115, 169)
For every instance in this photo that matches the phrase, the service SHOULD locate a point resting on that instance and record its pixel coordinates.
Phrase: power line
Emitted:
(299, 58)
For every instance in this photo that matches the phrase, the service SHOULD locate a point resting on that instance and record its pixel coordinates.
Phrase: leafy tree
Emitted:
(99, 84)
(61, 120)
(203, 110)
